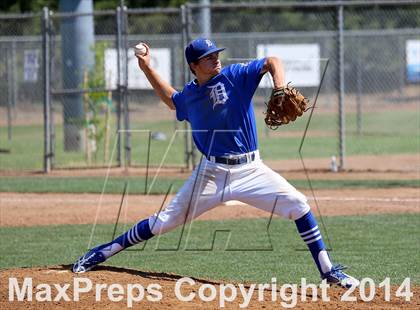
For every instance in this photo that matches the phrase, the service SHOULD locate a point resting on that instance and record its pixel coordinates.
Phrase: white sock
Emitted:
(324, 261)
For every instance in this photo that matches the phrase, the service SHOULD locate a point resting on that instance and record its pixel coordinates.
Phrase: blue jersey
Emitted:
(221, 112)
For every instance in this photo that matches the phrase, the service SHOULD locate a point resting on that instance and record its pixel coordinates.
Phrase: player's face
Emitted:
(210, 65)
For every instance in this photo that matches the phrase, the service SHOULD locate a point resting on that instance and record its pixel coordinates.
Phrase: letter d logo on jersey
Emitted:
(218, 94)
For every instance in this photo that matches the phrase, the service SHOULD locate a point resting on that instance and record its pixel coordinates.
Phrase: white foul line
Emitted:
(327, 198)
(377, 199)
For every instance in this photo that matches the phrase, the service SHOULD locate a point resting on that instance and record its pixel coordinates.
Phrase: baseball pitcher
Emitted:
(218, 105)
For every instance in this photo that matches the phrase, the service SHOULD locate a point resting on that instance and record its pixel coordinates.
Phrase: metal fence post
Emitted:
(119, 81)
(14, 75)
(185, 77)
(47, 97)
(192, 147)
(401, 50)
(127, 141)
(10, 81)
(52, 36)
(359, 92)
(205, 18)
(340, 79)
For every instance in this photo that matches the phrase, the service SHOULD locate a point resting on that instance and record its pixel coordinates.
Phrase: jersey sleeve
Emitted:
(180, 106)
(252, 72)
(248, 75)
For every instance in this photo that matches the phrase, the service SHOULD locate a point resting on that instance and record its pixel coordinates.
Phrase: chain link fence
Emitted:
(86, 111)
(381, 100)
(21, 100)
(156, 137)
(351, 57)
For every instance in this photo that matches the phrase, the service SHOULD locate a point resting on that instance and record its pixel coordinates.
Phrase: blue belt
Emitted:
(233, 160)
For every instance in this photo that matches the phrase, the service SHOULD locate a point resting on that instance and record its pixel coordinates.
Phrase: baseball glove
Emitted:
(285, 105)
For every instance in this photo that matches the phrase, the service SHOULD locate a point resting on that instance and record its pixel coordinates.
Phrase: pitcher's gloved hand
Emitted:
(285, 105)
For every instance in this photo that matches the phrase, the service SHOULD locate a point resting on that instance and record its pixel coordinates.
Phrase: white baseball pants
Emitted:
(212, 184)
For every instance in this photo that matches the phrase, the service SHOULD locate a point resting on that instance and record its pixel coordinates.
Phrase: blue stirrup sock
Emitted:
(138, 233)
(307, 227)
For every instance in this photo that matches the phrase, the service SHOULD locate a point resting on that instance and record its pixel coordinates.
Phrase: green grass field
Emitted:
(115, 185)
(374, 246)
(386, 132)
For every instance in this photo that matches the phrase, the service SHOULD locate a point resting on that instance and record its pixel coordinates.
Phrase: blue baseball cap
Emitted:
(200, 48)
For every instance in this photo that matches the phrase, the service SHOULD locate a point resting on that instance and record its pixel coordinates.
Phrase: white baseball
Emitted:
(140, 49)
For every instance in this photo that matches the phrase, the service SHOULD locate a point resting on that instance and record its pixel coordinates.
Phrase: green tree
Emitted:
(97, 103)
(21, 6)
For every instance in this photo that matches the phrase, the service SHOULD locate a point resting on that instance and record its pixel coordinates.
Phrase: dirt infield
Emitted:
(166, 295)
(45, 209)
